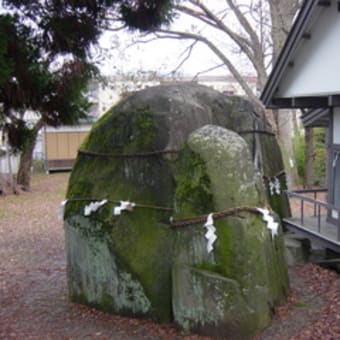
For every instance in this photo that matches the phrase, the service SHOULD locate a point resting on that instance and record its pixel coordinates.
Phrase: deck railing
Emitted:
(320, 208)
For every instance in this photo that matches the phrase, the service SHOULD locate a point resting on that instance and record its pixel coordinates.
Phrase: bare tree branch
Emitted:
(251, 49)
(255, 42)
(196, 15)
(261, 26)
(282, 14)
(188, 52)
(169, 34)
(207, 70)
(115, 29)
(241, 41)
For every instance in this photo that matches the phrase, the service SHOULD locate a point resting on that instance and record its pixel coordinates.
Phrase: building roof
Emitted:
(305, 73)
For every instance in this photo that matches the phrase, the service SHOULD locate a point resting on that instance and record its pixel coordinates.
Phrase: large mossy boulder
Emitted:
(138, 152)
(162, 117)
(229, 292)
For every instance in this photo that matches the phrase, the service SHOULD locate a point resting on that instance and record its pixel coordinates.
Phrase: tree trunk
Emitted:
(282, 14)
(295, 122)
(284, 131)
(10, 178)
(26, 157)
(309, 156)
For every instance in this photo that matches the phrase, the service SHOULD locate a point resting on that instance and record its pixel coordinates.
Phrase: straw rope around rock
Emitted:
(264, 132)
(216, 215)
(126, 155)
(279, 174)
(137, 205)
(185, 221)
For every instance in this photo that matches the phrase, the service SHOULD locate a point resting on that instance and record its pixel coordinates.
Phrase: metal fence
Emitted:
(323, 212)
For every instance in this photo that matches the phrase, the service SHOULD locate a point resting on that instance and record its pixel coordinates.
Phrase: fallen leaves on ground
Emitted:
(33, 291)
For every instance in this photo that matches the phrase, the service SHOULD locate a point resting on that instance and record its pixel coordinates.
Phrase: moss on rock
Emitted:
(245, 275)
(137, 241)
(133, 264)
(192, 193)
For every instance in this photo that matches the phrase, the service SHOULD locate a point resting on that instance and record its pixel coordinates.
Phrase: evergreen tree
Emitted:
(44, 65)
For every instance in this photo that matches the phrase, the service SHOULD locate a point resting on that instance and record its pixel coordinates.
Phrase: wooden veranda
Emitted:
(312, 216)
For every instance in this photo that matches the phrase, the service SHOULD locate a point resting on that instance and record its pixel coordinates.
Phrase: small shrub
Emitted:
(299, 152)
(38, 166)
(320, 153)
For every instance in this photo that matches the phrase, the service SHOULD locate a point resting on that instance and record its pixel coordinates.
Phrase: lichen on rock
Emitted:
(177, 147)
(245, 275)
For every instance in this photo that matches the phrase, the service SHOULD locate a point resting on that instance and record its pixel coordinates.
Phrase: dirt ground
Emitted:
(33, 292)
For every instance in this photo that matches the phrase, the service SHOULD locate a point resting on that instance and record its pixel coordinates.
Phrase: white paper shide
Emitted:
(93, 206)
(269, 219)
(124, 205)
(210, 234)
(275, 186)
(61, 210)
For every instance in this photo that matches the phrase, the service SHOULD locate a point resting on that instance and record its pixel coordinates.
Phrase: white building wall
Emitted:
(316, 68)
(5, 166)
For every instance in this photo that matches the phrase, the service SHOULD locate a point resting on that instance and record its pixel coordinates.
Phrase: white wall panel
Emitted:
(316, 67)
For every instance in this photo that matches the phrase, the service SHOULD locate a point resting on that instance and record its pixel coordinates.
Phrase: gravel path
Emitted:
(33, 292)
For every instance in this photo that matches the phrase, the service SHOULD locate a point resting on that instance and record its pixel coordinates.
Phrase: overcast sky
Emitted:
(164, 55)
